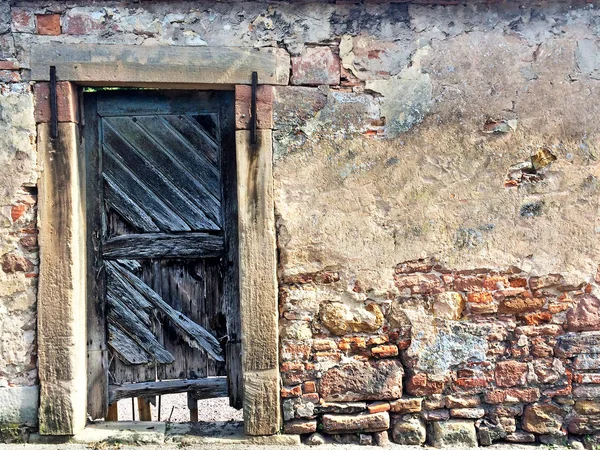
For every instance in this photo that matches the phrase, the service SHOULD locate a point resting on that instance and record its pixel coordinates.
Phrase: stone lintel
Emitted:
(108, 64)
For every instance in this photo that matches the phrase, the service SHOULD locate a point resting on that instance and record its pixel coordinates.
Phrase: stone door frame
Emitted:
(62, 294)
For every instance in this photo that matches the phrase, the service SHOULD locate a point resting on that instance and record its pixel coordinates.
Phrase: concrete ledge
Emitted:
(122, 432)
(207, 433)
(159, 64)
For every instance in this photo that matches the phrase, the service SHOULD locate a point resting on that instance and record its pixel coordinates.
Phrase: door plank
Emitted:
(153, 177)
(195, 134)
(125, 347)
(192, 333)
(126, 207)
(193, 170)
(157, 245)
(119, 315)
(205, 388)
(162, 215)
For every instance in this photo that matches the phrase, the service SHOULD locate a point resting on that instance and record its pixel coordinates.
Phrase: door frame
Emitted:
(64, 246)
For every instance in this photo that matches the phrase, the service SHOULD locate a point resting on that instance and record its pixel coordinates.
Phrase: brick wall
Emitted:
(436, 197)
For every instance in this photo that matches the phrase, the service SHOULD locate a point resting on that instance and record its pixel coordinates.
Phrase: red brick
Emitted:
(511, 373)
(420, 385)
(537, 318)
(66, 94)
(527, 395)
(310, 387)
(321, 345)
(521, 304)
(264, 108)
(48, 24)
(419, 283)
(9, 65)
(23, 21)
(519, 282)
(9, 76)
(385, 351)
(18, 210)
(416, 265)
(295, 391)
(495, 282)
(316, 66)
(313, 397)
(480, 297)
(377, 340)
(378, 407)
(291, 366)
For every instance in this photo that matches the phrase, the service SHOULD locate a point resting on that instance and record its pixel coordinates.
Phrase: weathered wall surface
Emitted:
(436, 195)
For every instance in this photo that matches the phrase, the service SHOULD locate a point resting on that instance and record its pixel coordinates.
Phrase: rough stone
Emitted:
(19, 405)
(340, 319)
(382, 438)
(406, 405)
(435, 415)
(48, 24)
(543, 418)
(513, 395)
(315, 439)
(453, 433)
(520, 437)
(316, 66)
(574, 344)
(488, 433)
(436, 345)
(584, 424)
(375, 380)
(511, 373)
(340, 408)
(361, 423)
(587, 407)
(300, 426)
(409, 431)
(448, 305)
(585, 315)
(467, 413)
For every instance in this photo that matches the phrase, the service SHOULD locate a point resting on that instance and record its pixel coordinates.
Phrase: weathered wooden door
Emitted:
(163, 221)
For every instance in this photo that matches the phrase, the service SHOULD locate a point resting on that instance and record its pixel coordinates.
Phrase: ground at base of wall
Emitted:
(246, 447)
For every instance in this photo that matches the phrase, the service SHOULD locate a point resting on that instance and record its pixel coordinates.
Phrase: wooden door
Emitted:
(163, 216)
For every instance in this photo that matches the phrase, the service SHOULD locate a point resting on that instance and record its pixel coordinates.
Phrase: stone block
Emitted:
(514, 395)
(587, 407)
(315, 439)
(589, 391)
(316, 66)
(48, 24)
(372, 380)
(406, 405)
(520, 437)
(488, 433)
(19, 405)
(449, 305)
(585, 315)
(543, 418)
(243, 106)
(22, 20)
(382, 438)
(409, 432)
(361, 423)
(300, 426)
(340, 408)
(465, 401)
(66, 102)
(436, 415)
(341, 319)
(511, 373)
(586, 362)
(467, 413)
(453, 433)
(575, 344)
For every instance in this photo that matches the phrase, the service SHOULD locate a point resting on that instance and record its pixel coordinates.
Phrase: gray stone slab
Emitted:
(19, 405)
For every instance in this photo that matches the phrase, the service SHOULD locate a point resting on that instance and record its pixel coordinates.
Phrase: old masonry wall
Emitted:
(436, 196)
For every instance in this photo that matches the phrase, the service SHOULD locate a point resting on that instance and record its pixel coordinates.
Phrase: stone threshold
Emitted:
(180, 434)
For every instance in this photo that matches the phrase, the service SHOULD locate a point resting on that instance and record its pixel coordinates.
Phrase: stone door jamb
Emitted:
(62, 295)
